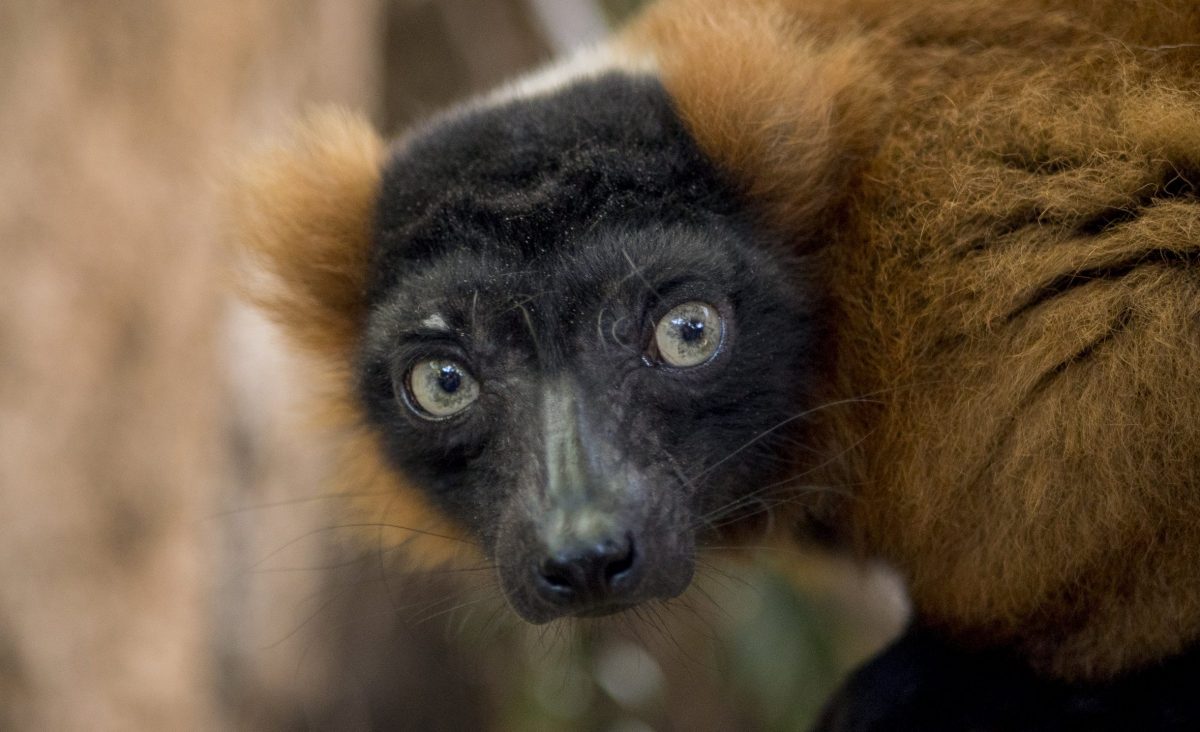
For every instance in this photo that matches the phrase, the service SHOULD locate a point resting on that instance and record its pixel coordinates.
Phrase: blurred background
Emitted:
(170, 553)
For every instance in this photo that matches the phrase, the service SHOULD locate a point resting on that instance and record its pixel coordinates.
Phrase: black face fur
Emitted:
(537, 243)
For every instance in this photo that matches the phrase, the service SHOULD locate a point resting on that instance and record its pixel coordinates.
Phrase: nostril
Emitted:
(621, 560)
(556, 575)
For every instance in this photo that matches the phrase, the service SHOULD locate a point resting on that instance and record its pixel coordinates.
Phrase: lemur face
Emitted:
(579, 345)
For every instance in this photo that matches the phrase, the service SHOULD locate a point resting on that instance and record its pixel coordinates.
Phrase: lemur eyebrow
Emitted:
(435, 322)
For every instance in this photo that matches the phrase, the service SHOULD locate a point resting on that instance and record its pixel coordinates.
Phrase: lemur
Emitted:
(942, 257)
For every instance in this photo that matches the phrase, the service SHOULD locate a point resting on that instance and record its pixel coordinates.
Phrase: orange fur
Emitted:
(302, 213)
(791, 115)
(1006, 198)
(1032, 467)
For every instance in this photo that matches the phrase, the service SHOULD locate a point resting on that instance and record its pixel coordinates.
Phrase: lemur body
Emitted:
(952, 249)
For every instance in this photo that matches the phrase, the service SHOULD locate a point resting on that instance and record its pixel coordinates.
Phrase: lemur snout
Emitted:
(598, 576)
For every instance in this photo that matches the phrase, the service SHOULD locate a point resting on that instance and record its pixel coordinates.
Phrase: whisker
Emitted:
(700, 588)
(779, 425)
(806, 490)
(380, 554)
(291, 502)
(790, 493)
(525, 315)
(636, 271)
(666, 633)
(600, 325)
(707, 628)
(456, 570)
(710, 567)
(447, 611)
(365, 525)
(333, 597)
(314, 568)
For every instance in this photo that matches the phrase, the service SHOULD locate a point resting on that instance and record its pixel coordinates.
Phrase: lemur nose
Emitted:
(590, 577)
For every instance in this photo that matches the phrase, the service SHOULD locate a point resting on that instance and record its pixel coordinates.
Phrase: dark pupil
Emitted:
(691, 330)
(449, 379)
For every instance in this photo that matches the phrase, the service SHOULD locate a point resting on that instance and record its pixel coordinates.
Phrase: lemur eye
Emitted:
(438, 388)
(689, 334)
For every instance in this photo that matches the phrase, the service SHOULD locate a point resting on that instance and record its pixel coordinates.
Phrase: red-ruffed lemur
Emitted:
(943, 256)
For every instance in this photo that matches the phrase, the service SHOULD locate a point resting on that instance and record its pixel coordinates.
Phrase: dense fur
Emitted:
(1004, 196)
(1018, 275)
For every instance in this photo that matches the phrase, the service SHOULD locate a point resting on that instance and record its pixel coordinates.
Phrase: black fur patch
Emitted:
(533, 176)
(549, 235)
(923, 683)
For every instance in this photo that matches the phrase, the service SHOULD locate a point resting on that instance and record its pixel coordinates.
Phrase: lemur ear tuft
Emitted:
(791, 118)
(301, 213)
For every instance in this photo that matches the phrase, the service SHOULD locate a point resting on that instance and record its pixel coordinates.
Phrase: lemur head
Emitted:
(578, 344)
(571, 330)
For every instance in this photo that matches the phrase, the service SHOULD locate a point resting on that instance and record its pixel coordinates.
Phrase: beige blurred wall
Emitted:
(143, 413)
